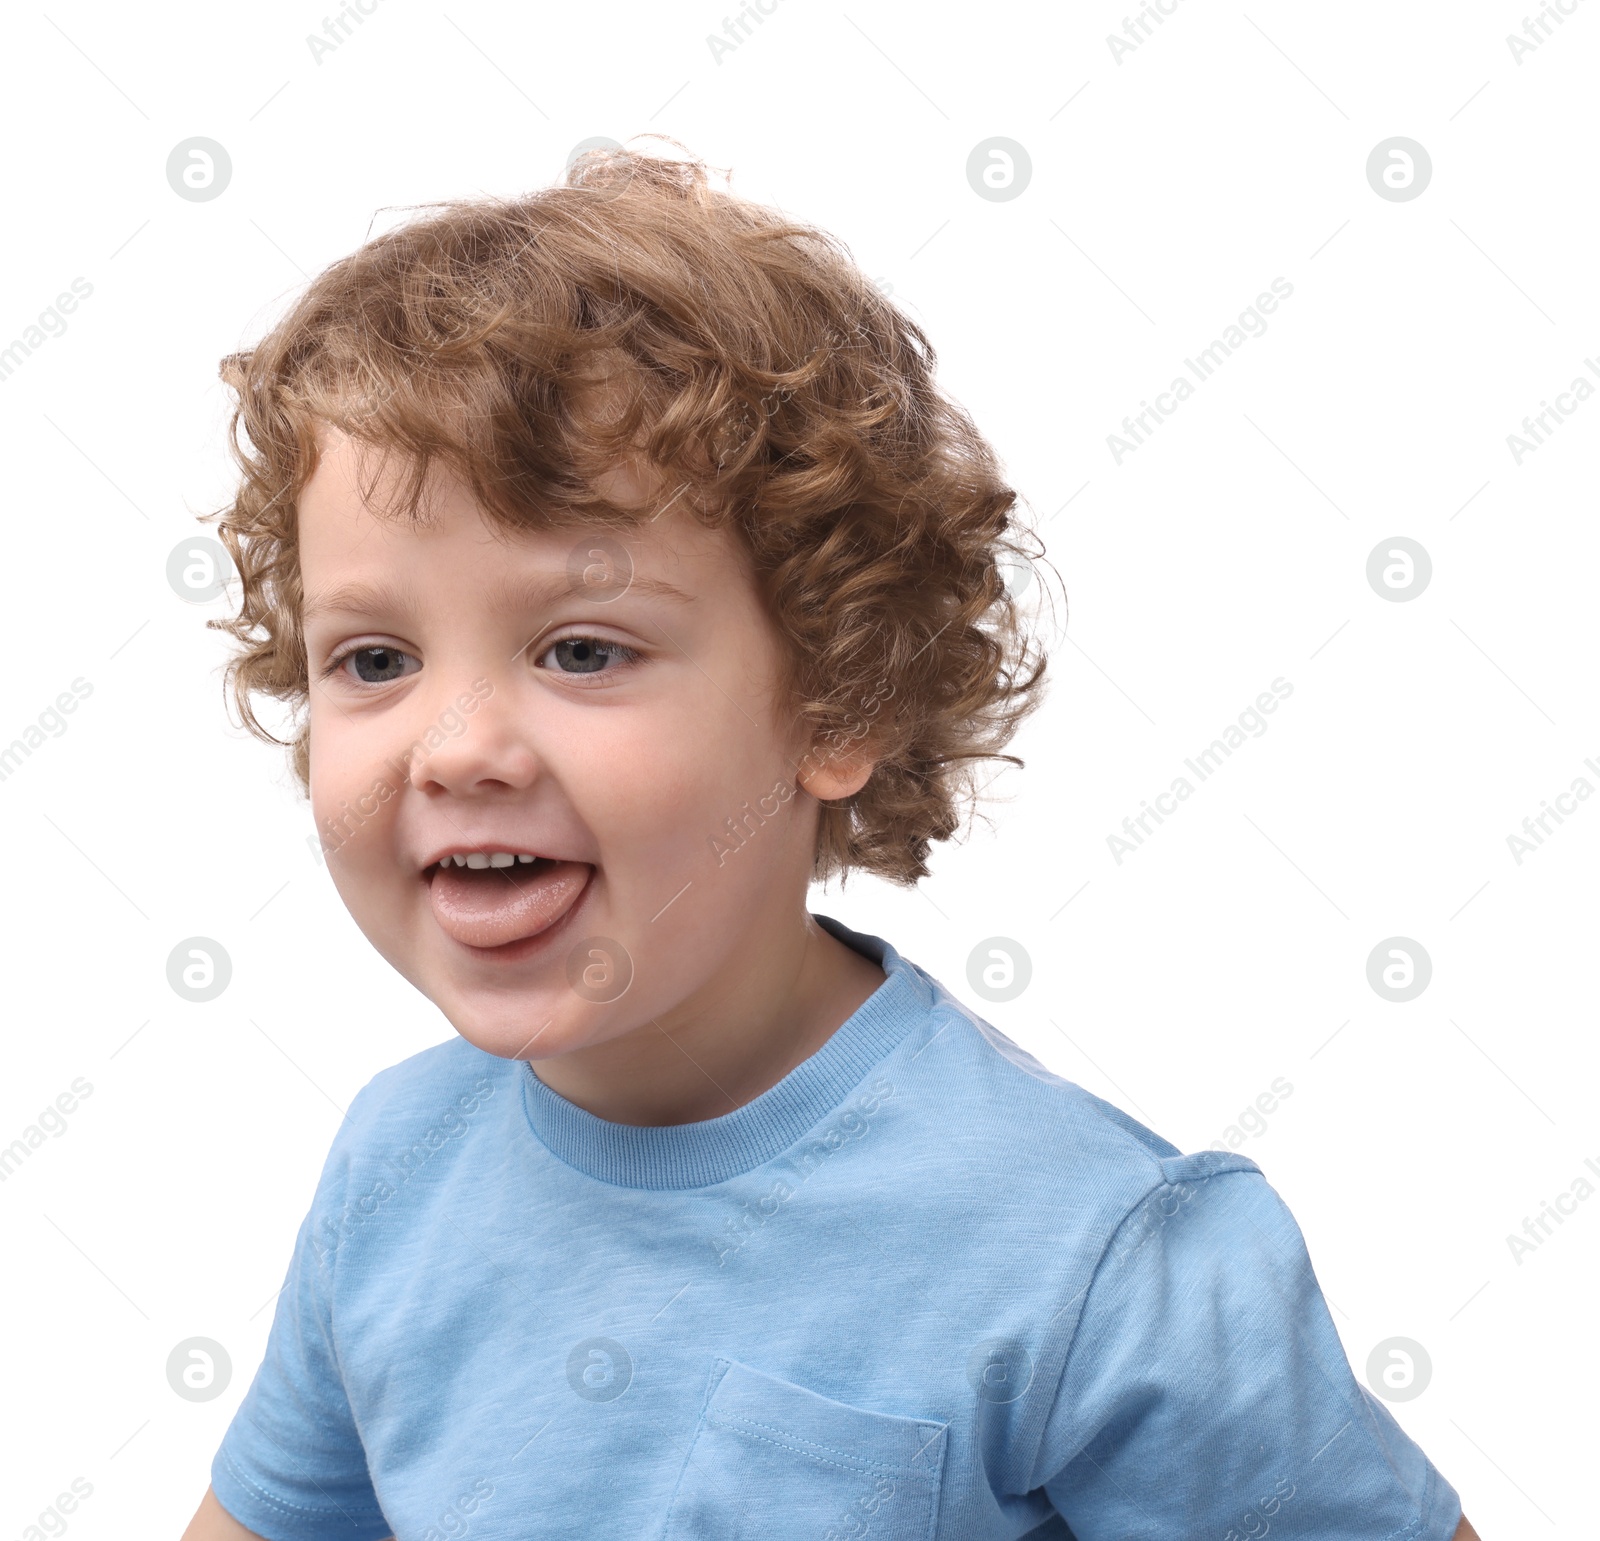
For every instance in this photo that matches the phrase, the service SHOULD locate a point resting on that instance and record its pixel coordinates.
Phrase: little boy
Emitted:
(717, 1219)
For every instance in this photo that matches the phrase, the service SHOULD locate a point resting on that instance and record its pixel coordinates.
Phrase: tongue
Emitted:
(495, 905)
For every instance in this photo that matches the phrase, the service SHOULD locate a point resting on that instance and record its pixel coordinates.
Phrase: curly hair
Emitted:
(761, 374)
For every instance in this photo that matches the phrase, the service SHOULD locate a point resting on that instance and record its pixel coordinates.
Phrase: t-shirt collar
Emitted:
(700, 1154)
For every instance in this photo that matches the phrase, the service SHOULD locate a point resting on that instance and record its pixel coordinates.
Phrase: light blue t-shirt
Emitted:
(922, 1289)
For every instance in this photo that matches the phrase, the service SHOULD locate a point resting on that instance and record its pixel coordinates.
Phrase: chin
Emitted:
(532, 1031)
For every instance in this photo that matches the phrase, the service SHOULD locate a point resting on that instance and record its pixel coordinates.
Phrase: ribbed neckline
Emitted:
(700, 1154)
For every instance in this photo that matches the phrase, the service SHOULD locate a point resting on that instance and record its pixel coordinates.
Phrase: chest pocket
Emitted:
(771, 1460)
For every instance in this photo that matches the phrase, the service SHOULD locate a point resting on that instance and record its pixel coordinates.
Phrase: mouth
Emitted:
(499, 908)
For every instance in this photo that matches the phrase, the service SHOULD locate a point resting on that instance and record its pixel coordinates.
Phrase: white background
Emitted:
(1167, 190)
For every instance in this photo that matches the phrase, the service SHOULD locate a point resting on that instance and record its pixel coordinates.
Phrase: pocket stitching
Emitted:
(719, 1368)
(785, 1440)
(795, 1445)
(731, 1422)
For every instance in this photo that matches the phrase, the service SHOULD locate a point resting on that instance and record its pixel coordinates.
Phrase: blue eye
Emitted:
(589, 655)
(376, 665)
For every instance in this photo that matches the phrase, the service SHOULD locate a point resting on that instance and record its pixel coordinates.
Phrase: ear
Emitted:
(827, 780)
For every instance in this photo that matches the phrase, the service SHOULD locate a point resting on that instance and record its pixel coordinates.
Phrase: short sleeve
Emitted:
(291, 1466)
(1206, 1391)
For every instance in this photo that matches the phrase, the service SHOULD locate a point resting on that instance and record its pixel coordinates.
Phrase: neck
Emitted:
(773, 1005)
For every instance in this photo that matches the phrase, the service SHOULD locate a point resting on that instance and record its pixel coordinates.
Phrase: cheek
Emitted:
(336, 767)
(676, 784)
(334, 795)
(349, 809)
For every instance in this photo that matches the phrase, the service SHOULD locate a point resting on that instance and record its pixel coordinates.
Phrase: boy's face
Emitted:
(603, 725)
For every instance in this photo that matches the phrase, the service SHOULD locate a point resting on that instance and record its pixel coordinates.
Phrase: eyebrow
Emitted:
(507, 596)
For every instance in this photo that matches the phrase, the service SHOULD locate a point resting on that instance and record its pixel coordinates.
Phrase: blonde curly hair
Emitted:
(755, 368)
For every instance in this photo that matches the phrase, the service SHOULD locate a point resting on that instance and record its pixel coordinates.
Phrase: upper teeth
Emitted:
(487, 859)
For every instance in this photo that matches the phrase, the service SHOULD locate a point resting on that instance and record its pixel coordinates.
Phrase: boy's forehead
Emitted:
(347, 516)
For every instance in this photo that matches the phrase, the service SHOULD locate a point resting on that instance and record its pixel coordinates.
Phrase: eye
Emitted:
(375, 663)
(589, 655)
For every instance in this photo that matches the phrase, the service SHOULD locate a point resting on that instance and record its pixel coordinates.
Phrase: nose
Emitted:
(475, 741)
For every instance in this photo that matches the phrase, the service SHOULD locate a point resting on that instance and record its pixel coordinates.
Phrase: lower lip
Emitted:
(529, 946)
